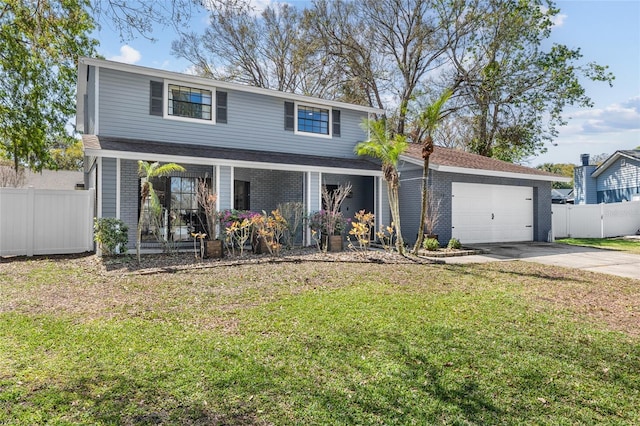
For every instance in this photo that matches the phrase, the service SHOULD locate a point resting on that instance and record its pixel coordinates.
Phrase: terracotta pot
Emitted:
(214, 249)
(335, 243)
(260, 246)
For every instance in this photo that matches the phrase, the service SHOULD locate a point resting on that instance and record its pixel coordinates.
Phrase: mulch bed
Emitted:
(174, 262)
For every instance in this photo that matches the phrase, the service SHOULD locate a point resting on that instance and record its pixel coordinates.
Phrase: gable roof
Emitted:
(632, 154)
(458, 161)
(135, 149)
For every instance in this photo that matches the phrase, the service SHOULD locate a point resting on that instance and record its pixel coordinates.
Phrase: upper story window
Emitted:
(311, 119)
(189, 102)
(185, 102)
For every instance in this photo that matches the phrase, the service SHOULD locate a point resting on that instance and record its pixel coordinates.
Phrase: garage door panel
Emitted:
(491, 213)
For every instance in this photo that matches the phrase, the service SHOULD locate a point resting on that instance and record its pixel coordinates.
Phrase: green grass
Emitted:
(631, 246)
(312, 344)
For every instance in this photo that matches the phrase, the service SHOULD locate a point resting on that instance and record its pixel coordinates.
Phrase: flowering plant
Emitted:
(328, 223)
(238, 226)
(227, 217)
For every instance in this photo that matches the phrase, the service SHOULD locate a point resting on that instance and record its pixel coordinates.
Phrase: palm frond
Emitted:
(167, 169)
(380, 145)
(154, 202)
(432, 114)
(151, 170)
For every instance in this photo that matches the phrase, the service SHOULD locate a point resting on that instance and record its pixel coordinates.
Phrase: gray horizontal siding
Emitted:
(410, 203)
(109, 187)
(441, 184)
(254, 121)
(385, 215)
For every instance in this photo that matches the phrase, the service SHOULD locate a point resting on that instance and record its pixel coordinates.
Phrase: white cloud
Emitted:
(619, 117)
(557, 20)
(128, 55)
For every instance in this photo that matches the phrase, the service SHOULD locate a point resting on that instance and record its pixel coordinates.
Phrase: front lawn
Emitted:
(317, 343)
(629, 245)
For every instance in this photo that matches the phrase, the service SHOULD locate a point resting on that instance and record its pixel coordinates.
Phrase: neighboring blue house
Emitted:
(614, 181)
(255, 147)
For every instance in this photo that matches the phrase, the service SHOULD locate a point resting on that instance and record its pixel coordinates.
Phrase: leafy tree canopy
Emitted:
(40, 42)
(563, 169)
(68, 158)
(509, 88)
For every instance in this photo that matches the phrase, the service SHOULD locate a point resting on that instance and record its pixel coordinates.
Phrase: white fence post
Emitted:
(30, 214)
(601, 220)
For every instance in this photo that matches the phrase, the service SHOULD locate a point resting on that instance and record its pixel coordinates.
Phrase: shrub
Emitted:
(361, 229)
(293, 214)
(385, 235)
(431, 244)
(110, 234)
(454, 244)
(326, 222)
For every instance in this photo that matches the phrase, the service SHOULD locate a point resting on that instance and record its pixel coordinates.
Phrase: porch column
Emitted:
(224, 187)
(383, 213)
(313, 194)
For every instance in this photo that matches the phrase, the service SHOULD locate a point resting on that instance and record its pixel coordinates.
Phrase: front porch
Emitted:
(239, 184)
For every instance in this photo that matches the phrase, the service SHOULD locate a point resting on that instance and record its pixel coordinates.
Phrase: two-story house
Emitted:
(617, 179)
(258, 148)
(255, 147)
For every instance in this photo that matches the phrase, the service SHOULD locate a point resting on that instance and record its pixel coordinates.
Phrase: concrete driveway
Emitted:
(585, 258)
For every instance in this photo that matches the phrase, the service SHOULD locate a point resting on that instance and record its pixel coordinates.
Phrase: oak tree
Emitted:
(40, 42)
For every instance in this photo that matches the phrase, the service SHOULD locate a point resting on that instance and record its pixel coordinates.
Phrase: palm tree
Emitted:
(382, 146)
(148, 171)
(422, 133)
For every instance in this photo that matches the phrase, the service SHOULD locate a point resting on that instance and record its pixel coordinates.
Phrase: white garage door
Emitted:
(491, 213)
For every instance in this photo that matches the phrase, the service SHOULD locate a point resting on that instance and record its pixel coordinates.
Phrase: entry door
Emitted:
(491, 213)
(241, 195)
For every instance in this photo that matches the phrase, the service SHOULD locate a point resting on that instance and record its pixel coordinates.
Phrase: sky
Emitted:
(606, 31)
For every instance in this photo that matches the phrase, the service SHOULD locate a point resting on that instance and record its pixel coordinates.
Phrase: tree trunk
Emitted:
(139, 236)
(423, 208)
(140, 217)
(395, 215)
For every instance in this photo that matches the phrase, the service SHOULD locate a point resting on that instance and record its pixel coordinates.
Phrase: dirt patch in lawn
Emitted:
(608, 299)
(209, 293)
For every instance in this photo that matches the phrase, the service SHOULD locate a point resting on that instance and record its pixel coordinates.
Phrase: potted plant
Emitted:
(330, 223)
(335, 238)
(330, 226)
(207, 200)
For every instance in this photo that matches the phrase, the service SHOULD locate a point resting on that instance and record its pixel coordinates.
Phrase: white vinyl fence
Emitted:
(596, 220)
(38, 221)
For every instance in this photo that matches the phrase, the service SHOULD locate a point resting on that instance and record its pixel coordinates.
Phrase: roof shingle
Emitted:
(457, 158)
(142, 147)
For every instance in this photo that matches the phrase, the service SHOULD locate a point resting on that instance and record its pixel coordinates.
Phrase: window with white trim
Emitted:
(189, 102)
(311, 119)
